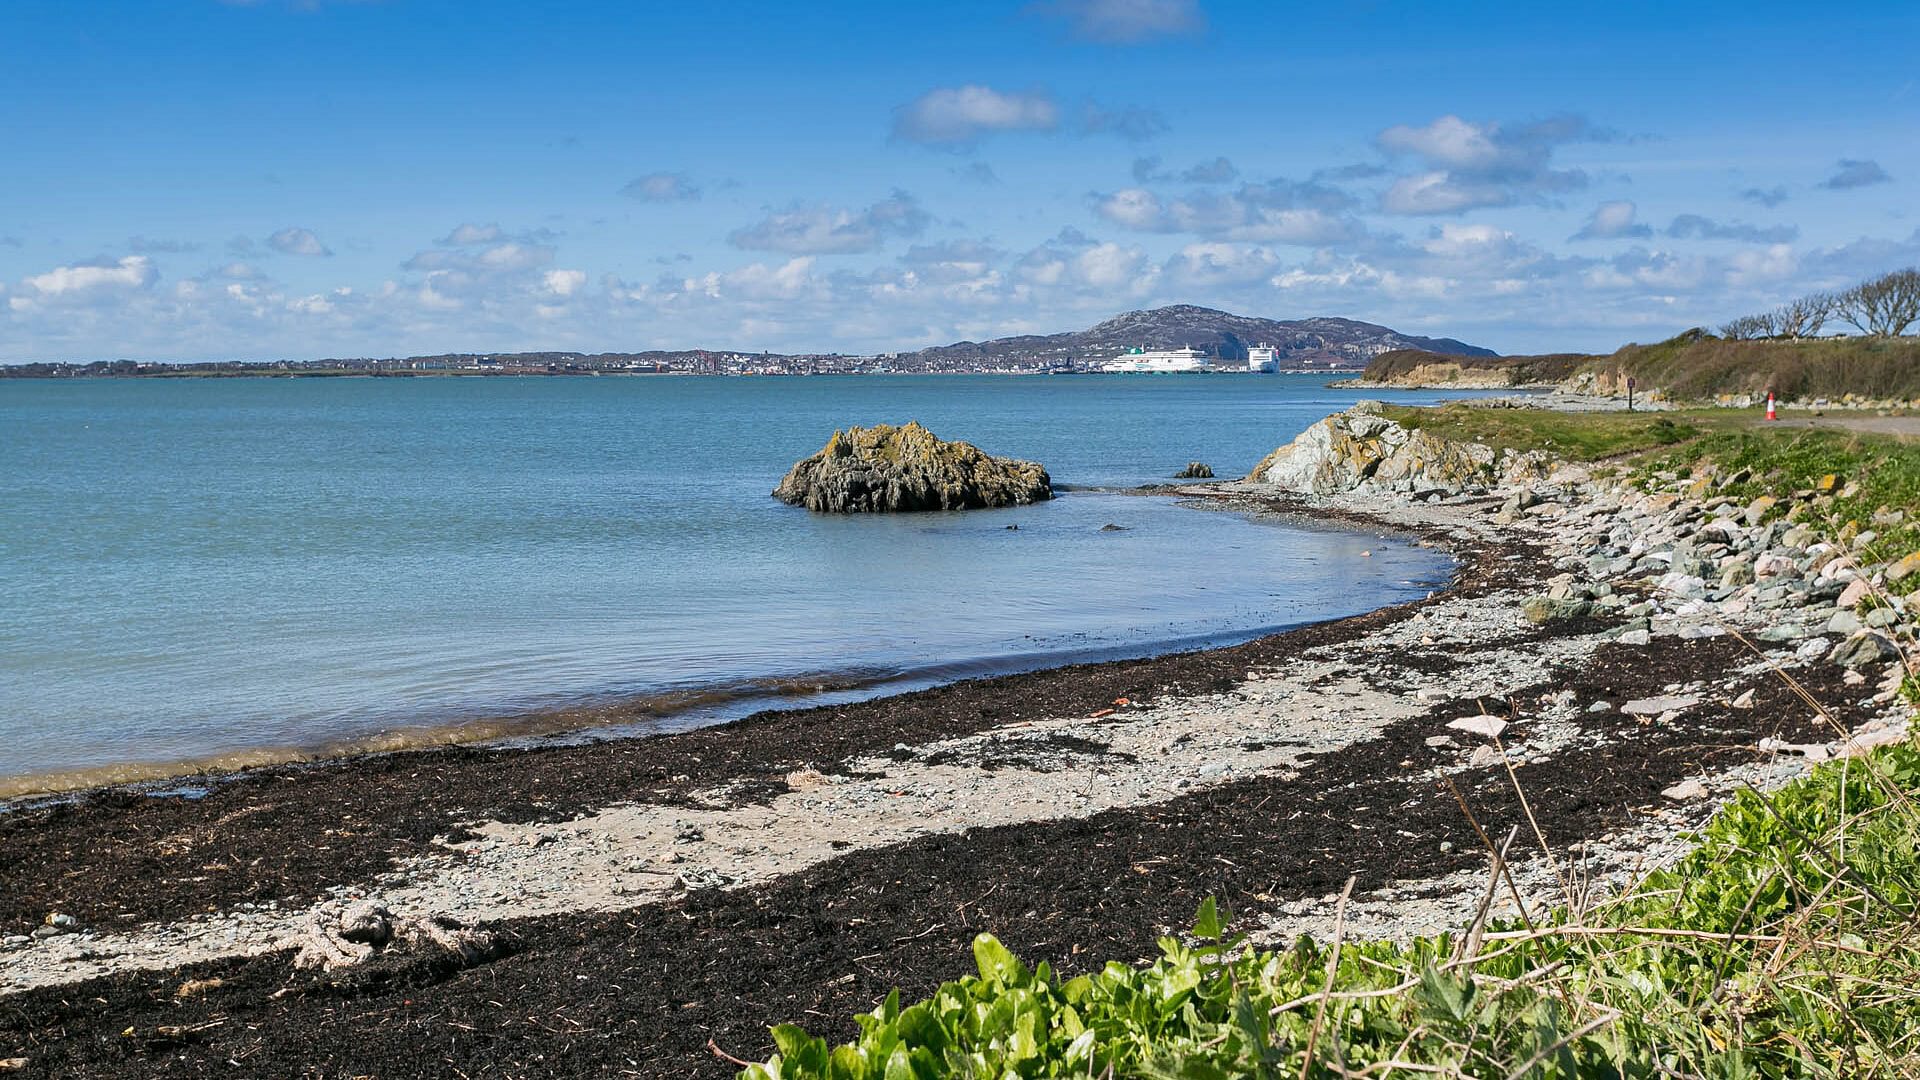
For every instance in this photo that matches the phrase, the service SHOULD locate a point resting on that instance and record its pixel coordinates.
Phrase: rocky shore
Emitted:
(1622, 656)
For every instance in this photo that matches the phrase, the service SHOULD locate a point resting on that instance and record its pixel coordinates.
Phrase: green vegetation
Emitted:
(1697, 367)
(1588, 436)
(1784, 945)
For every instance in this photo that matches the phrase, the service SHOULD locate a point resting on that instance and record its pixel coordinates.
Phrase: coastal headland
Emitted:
(1604, 670)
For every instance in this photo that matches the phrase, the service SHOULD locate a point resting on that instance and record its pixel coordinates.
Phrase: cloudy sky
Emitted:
(188, 179)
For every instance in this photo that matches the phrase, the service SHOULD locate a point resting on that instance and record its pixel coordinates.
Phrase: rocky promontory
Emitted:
(1360, 446)
(885, 468)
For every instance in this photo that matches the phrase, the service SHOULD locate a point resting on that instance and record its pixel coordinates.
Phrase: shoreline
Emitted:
(1039, 807)
(646, 715)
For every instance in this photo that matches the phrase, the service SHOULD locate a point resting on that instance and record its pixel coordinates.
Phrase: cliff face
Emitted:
(1424, 368)
(886, 468)
(1359, 447)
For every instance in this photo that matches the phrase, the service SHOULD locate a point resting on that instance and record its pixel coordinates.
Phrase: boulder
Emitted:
(1905, 568)
(1541, 610)
(886, 468)
(1863, 650)
(1195, 470)
(1360, 447)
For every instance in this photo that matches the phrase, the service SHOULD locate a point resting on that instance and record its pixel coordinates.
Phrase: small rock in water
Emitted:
(1111, 527)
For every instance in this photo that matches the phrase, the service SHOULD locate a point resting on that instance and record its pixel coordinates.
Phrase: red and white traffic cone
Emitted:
(1771, 414)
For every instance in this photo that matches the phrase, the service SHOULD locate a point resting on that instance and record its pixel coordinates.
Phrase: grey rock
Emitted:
(1843, 622)
(1863, 650)
(1654, 706)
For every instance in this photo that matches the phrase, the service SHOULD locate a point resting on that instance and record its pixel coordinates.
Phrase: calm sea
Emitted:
(198, 568)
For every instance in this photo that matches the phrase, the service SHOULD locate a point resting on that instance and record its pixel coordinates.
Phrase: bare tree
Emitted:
(1885, 306)
(1802, 318)
(1748, 328)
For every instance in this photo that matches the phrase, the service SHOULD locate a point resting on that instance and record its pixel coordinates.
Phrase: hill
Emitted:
(1694, 366)
(1313, 342)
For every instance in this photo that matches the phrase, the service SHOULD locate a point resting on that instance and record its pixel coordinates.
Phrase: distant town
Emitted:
(1181, 338)
(698, 363)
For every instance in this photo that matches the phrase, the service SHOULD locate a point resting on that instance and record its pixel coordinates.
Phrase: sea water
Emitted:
(192, 568)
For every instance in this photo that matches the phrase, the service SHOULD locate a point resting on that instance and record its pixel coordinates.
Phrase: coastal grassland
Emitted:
(1578, 436)
(1786, 944)
(1695, 367)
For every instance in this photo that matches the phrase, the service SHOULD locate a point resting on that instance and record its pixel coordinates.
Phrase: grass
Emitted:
(1784, 945)
(1590, 436)
(1700, 367)
(1689, 368)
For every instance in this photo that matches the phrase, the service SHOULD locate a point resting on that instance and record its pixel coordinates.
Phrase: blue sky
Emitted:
(188, 179)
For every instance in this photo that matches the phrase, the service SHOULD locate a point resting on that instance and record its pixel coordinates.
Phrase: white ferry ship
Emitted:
(1263, 358)
(1163, 361)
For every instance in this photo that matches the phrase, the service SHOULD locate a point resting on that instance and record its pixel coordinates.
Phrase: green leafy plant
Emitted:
(1784, 945)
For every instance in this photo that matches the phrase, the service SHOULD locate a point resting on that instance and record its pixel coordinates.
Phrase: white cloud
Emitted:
(87, 279)
(823, 230)
(1612, 220)
(469, 233)
(662, 187)
(1465, 165)
(297, 242)
(565, 282)
(957, 115)
(1281, 212)
(1127, 22)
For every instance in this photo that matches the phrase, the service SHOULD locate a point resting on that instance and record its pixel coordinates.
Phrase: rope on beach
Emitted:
(337, 936)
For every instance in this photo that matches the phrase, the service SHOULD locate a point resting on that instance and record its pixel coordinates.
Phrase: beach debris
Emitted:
(1654, 706)
(1484, 724)
(195, 987)
(344, 934)
(12, 1064)
(1744, 701)
(696, 878)
(1686, 791)
(808, 779)
(885, 469)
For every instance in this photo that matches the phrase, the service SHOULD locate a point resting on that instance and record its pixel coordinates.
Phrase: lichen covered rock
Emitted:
(1360, 447)
(886, 468)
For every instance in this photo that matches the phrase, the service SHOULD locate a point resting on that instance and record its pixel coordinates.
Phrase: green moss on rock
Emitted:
(884, 468)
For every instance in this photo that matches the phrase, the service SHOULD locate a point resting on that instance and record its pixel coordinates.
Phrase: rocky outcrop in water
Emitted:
(886, 468)
(1360, 447)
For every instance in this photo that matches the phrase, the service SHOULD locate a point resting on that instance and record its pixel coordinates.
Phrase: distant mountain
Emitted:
(1219, 334)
